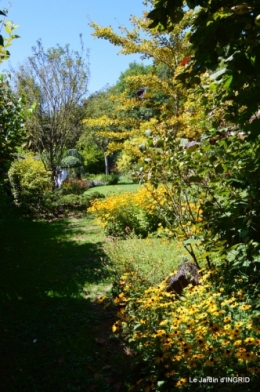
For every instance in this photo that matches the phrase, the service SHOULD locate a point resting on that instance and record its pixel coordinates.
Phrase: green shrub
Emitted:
(110, 179)
(74, 202)
(28, 179)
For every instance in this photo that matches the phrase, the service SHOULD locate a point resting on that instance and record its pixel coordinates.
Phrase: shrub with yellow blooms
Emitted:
(130, 211)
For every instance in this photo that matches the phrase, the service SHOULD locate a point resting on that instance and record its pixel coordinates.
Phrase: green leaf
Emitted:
(228, 82)
(1, 41)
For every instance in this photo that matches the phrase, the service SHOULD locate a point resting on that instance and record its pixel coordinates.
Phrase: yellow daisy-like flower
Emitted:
(227, 319)
(176, 332)
(245, 307)
(227, 327)
(161, 332)
(225, 342)
(181, 382)
(248, 356)
(176, 358)
(239, 324)
(235, 304)
(237, 343)
(249, 341)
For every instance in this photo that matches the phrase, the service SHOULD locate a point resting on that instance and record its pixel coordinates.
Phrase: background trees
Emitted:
(56, 80)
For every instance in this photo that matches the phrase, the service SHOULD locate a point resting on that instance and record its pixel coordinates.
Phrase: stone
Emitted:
(187, 274)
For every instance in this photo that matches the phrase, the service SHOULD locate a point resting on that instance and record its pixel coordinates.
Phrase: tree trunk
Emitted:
(106, 164)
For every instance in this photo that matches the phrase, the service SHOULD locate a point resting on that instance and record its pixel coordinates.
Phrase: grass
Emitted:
(119, 188)
(54, 336)
(152, 258)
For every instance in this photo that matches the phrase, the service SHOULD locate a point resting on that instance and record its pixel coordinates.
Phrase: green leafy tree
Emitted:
(12, 123)
(56, 80)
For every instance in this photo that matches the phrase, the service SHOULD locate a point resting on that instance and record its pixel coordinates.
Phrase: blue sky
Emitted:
(61, 21)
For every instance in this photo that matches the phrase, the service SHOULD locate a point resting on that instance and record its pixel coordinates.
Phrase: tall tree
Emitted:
(56, 80)
(145, 96)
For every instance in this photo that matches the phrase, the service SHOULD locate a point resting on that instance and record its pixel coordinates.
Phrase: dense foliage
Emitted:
(12, 122)
(29, 180)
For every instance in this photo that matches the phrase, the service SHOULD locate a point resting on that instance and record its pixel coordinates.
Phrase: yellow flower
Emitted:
(245, 307)
(225, 342)
(176, 358)
(227, 327)
(247, 356)
(237, 343)
(181, 382)
(227, 319)
(249, 341)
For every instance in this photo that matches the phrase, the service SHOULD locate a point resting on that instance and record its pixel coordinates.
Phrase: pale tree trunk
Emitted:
(106, 164)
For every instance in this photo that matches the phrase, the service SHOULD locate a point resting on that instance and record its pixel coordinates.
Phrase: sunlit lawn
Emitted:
(118, 188)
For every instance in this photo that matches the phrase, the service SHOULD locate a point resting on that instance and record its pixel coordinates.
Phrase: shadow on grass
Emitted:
(52, 337)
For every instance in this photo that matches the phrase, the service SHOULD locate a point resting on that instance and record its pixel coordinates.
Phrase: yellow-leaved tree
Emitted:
(153, 100)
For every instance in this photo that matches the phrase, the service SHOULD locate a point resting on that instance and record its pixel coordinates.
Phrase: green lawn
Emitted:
(108, 189)
(54, 336)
